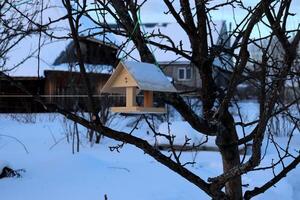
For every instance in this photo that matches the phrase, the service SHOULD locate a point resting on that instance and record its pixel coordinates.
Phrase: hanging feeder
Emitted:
(133, 77)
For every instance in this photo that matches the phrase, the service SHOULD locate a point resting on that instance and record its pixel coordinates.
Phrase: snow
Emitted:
(182, 130)
(90, 174)
(53, 172)
(287, 188)
(149, 76)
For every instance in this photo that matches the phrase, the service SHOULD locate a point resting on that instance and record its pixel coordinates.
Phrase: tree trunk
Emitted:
(230, 158)
(227, 142)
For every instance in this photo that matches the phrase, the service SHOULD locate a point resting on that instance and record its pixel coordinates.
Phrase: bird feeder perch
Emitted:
(132, 77)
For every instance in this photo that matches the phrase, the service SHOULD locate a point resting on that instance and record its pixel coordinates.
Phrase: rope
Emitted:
(139, 22)
(130, 36)
(147, 39)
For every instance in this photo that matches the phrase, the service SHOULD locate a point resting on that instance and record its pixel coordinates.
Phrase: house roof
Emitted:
(22, 78)
(179, 37)
(145, 76)
(94, 51)
(66, 72)
(100, 42)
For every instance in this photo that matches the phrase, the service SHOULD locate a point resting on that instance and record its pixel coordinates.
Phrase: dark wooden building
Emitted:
(94, 52)
(68, 89)
(14, 100)
(63, 88)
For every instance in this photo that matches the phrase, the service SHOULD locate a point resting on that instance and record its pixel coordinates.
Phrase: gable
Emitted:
(124, 79)
(119, 79)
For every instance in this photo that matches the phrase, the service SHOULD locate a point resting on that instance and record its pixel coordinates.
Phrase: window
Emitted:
(188, 73)
(181, 73)
(184, 73)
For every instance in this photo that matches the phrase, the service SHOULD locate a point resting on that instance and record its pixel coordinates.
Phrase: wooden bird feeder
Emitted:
(132, 77)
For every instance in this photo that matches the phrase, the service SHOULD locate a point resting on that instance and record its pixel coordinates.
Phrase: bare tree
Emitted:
(14, 28)
(216, 119)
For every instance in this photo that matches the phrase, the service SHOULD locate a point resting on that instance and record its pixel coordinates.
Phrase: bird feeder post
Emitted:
(130, 96)
(148, 99)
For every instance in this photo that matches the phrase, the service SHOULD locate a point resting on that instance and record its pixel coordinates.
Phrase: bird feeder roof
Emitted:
(144, 76)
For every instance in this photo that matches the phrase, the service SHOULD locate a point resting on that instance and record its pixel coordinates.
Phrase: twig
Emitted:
(23, 145)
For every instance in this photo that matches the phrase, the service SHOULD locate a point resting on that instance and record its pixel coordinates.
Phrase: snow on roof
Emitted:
(149, 76)
(177, 35)
(50, 50)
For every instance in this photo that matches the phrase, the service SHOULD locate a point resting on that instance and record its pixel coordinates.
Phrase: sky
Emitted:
(152, 11)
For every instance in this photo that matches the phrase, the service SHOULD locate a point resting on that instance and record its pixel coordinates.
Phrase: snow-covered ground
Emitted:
(53, 172)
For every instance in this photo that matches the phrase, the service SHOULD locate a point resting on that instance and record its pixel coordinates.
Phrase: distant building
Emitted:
(185, 76)
(68, 89)
(94, 52)
(276, 59)
(64, 88)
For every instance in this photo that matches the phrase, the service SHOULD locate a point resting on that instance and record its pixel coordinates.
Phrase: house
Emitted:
(185, 76)
(63, 88)
(68, 89)
(98, 57)
(94, 52)
(276, 60)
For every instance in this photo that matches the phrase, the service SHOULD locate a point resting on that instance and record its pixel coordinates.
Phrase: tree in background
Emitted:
(14, 28)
